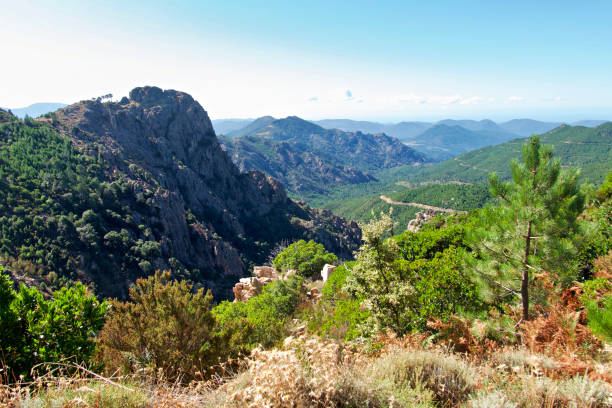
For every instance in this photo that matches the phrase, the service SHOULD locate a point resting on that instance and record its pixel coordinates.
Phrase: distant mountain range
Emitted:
(462, 182)
(589, 149)
(37, 109)
(224, 126)
(447, 139)
(439, 141)
(309, 159)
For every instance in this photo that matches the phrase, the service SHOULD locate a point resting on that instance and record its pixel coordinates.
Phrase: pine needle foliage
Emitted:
(533, 227)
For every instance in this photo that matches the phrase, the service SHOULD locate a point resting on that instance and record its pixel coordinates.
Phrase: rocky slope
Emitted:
(209, 220)
(312, 160)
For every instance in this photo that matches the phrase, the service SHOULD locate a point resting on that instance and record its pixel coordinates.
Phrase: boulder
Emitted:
(327, 271)
(420, 218)
(265, 272)
(314, 294)
(246, 288)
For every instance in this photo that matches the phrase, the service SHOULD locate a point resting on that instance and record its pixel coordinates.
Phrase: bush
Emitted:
(448, 378)
(165, 327)
(534, 392)
(262, 319)
(600, 317)
(337, 315)
(408, 279)
(35, 330)
(309, 373)
(335, 283)
(308, 258)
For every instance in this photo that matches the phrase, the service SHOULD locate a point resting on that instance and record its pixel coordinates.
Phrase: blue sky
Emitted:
(385, 60)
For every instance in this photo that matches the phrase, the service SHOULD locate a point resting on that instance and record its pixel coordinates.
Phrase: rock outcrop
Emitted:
(327, 271)
(207, 216)
(312, 160)
(420, 218)
(246, 288)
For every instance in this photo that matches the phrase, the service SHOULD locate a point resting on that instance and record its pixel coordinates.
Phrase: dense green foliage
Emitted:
(463, 197)
(600, 317)
(60, 215)
(308, 258)
(408, 279)
(589, 149)
(532, 229)
(164, 326)
(35, 330)
(363, 209)
(337, 314)
(605, 191)
(261, 319)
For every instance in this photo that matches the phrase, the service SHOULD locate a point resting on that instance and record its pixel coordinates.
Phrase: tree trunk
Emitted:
(525, 282)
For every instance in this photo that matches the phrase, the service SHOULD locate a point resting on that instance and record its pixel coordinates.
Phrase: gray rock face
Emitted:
(207, 215)
(313, 160)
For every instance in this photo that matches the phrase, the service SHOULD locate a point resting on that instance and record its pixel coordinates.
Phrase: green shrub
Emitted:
(408, 279)
(341, 319)
(335, 283)
(605, 190)
(35, 330)
(262, 319)
(164, 327)
(448, 378)
(600, 317)
(308, 258)
(337, 315)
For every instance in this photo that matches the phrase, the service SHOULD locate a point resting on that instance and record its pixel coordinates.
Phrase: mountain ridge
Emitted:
(182, 200)
(311, 159)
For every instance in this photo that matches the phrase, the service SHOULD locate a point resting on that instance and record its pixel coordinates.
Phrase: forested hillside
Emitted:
(311, 160)
(590, 149)
(507, 306)
(461, 197)
(108, 192)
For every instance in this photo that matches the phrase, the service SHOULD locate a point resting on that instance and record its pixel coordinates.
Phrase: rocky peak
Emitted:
(209, 216)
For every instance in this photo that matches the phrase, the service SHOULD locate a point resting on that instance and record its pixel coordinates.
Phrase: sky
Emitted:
(369, 60)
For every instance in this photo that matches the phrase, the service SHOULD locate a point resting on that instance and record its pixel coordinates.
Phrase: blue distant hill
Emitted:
(37, 109)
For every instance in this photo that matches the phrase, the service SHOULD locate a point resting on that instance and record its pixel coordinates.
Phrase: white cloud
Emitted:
(441, 99)
(472, 100)
(515, 98)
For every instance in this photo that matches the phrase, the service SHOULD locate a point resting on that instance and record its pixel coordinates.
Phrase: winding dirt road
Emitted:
(419, 205)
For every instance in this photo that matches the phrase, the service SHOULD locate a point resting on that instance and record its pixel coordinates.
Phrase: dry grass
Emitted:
(311, 372)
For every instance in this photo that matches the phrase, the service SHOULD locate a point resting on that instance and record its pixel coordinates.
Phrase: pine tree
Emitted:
(532, 228)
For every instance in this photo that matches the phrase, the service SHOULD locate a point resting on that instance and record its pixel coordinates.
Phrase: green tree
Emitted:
(308, 258)
(532, 228)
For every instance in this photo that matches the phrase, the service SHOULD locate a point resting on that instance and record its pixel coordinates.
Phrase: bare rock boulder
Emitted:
(265, 272)
(327, 271)
(246, 288)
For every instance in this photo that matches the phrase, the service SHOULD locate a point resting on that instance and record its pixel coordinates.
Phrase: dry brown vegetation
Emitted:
(389, 372)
